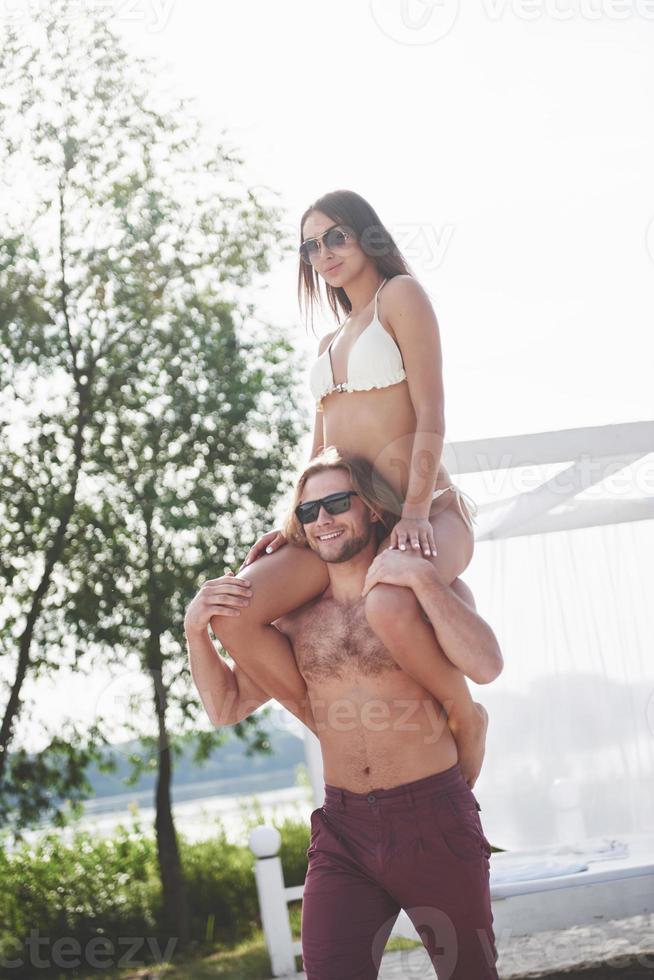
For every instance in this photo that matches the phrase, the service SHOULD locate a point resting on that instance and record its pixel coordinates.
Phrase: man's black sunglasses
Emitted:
(334, 503)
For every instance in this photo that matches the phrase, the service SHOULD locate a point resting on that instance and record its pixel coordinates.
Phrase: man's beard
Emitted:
(349, 549)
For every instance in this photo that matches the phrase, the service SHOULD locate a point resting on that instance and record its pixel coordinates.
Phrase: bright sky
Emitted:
(511, 155)
(508, 147)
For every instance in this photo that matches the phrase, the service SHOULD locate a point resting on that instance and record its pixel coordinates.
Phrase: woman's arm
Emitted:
(414, 324)
(318, 428)
(318, 435)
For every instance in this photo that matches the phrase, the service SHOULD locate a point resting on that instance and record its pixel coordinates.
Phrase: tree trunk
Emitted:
(175, 901)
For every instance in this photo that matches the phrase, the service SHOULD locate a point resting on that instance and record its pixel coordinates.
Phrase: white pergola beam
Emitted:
(557, 446)
(580, 513)
(506, 517)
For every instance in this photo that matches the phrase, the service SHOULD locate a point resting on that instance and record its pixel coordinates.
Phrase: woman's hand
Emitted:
(414, 532)
(223, 596)
(270, 542)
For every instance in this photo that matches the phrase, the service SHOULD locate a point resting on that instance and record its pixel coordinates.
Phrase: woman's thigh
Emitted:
(281, 582)
(455, 542)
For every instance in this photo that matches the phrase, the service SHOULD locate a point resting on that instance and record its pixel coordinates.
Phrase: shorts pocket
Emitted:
(315, 832)
(460, 826)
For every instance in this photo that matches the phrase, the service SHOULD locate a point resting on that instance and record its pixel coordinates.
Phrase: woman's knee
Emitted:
(279, 582)
(389, 606)
(229, 628)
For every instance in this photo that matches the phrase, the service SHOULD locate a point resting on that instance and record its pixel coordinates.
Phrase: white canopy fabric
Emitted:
(563, 571)
(570, 750)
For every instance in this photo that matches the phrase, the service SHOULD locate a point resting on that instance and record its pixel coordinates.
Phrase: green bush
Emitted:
(221, 890)
(97, 886)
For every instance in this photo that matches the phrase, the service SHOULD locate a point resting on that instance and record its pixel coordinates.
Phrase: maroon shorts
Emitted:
(419, 847)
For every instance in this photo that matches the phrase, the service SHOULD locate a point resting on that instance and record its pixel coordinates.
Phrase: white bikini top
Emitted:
(374, 361)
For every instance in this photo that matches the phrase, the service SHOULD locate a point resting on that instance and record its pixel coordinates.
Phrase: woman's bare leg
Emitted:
(280, 582)
(395, 615)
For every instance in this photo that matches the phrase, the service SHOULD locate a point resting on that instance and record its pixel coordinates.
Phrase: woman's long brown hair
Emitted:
(359, 217)
(373, 489)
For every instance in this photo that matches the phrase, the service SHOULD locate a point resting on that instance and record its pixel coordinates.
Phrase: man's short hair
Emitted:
(373, 489)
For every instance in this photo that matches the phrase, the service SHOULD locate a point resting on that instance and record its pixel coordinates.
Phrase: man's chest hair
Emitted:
(333, 639)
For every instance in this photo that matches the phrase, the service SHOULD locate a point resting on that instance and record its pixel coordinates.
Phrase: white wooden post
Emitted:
(264, 843)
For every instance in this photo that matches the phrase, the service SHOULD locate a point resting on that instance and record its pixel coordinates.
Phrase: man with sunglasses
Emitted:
(399, 827)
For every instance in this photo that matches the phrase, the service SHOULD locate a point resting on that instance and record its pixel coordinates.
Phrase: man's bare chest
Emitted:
(333, 641)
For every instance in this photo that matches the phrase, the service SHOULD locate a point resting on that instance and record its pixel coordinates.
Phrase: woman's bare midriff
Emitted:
(380, 425)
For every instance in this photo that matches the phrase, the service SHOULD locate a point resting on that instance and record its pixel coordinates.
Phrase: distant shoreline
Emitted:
(197, 818)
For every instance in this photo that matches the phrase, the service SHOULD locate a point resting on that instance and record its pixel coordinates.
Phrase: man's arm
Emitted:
(228, 694)
(465, 638)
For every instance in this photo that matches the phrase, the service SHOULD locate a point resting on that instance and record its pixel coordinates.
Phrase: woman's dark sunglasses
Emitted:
(334, 503)
(334, 238)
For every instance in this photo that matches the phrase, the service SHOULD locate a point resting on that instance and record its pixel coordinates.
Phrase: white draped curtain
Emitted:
(570, 748)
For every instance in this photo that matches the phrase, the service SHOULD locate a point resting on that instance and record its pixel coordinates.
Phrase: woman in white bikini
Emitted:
(378, 388)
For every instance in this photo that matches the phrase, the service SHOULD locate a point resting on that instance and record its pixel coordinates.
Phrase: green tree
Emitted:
(144, 429)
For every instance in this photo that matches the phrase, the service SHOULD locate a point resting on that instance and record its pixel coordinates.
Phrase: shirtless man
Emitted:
(399, 827)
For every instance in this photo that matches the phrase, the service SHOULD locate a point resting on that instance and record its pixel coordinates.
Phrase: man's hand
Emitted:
(395, 567)
(223, 596)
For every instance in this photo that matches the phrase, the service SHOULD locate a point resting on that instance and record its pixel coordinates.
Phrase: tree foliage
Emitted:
(146, 428)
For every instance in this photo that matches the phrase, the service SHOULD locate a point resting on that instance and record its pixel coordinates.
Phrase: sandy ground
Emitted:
(605, 947)
(621, 949)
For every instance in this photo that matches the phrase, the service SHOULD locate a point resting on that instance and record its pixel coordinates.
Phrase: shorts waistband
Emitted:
(438, 782)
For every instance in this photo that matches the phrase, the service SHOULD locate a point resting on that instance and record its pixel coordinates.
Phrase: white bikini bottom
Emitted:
(467, 507)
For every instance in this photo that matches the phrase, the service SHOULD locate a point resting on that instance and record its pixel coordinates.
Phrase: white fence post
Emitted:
(264, 843)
